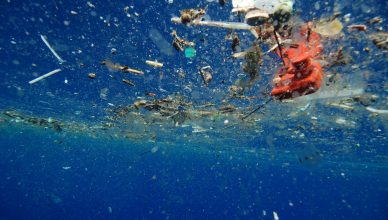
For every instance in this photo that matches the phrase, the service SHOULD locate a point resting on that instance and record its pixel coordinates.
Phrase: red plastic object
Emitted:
(300, 75)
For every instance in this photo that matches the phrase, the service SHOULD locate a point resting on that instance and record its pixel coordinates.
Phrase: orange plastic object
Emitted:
(298, 82)
(300, 75)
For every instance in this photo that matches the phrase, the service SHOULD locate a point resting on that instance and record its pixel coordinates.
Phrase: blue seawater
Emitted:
(66, 154)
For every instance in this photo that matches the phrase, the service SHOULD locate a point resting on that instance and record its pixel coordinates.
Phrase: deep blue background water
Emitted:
(174, 182)
(48, 175)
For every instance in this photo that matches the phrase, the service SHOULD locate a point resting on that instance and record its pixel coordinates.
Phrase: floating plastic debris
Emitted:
(117, 66)
(227, 25)
(90, 4)
(332, 93)
(329, 28)
(378, 111)
(282, 42)
(154, 149)
(44, 76)
(380, 39)
(92, 75)
(206, 75)
(160, 42)
(359, 27)
(180, 43)
(155, 64)
(275, 216)
(343, 106)
(198, 129)
(190, 52)
(44, 39)
(128, 82)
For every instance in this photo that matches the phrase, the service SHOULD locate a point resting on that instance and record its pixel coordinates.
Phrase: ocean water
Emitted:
(73, 147)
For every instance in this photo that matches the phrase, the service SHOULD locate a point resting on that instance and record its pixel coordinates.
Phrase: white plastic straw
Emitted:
(227, 25)
(44, 76)
(44, 39)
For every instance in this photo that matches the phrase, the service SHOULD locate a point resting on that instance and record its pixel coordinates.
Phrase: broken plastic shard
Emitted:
(275, 215)
(331, 28)
(154, 149)
(269, 6)
(198, 129)
(160, 42)
(206, 75)
(44, 76)
(155, 64)
(190, 52)
(44, 39)
(377, 111)
(227, 25)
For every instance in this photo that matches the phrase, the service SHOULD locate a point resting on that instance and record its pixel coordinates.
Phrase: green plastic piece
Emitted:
(190, 52)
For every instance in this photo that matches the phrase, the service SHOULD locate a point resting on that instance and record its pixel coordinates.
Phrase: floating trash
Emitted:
(330, 28)
(44, 39)
(160, 42)
(155, 64)
(190, 52)
(44, 76)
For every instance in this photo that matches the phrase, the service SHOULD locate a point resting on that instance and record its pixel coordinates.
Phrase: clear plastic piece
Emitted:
(269, 6)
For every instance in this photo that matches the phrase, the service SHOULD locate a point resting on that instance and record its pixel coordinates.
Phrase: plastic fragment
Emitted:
(154, 63)
(329, 28)
(44, 39)
(275, 216)
(375, 20)
(160, 42)
(117, 66)
(380, 39)
(227, 25)
(190, 52)
(198, 129)
(378, 111)
(281, 42)
(359, 27)
(343, 106)
(180, 43)
(206, 75)
(92, 75)
(44, 76)
(128, 82)
(239, 55)
(130, 70)
(90, 4)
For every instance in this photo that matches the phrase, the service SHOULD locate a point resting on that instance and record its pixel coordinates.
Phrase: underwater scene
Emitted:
(196, 109)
